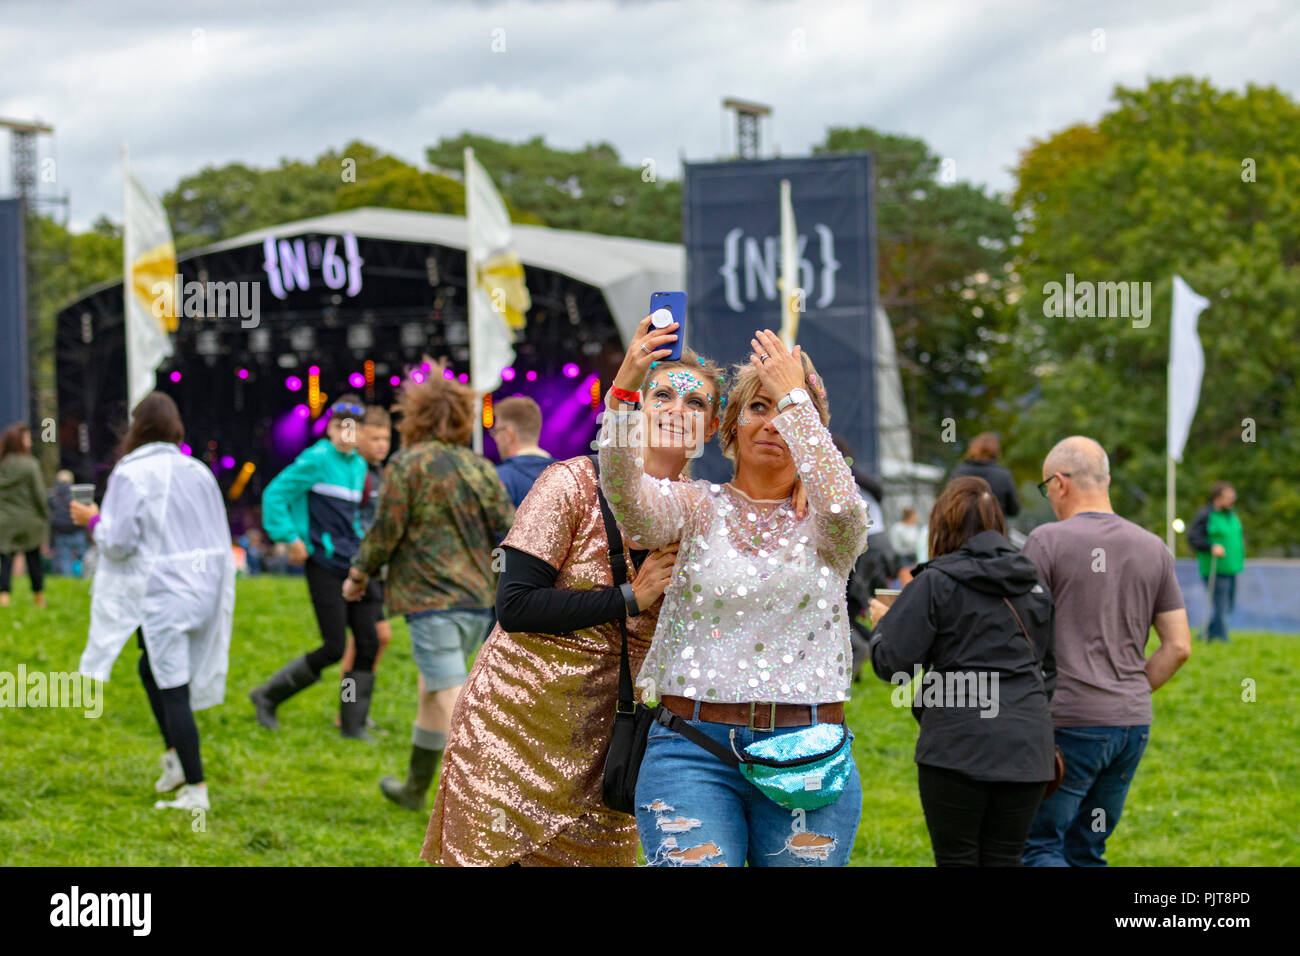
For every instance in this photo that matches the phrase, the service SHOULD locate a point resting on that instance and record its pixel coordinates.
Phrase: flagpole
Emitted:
(126, 278)
(471, 284)
(1170, 484)
(789, 269)
(1170, 478)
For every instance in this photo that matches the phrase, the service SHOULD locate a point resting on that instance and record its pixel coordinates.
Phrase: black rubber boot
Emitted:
(352, 713)
(424, 764)
(284, 683)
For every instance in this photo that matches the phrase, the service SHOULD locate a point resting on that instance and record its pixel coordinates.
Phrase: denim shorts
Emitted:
(694, 810)
(441, 642)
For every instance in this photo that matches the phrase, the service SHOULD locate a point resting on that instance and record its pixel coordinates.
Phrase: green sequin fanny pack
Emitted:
(803, 770)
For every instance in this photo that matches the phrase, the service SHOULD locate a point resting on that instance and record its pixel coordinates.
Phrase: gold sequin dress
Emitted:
(521, 774)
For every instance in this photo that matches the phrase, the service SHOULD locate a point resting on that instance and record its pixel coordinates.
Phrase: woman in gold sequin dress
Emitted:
(521, 775)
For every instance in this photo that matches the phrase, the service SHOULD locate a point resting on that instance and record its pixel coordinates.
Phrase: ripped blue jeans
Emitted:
(694, 810)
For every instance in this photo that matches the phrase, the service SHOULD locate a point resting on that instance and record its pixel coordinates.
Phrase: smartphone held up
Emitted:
(665, 309)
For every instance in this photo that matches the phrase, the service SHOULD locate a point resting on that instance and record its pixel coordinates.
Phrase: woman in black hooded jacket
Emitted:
(977, 620)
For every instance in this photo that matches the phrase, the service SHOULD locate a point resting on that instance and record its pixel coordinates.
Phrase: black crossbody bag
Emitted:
(631, 720)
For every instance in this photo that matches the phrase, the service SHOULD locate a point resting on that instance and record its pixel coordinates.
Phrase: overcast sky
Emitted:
(193, 84)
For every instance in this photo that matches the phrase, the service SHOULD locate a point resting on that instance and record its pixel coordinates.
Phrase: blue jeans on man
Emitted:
(1224, 600)
(1072, 825)
(68, 548)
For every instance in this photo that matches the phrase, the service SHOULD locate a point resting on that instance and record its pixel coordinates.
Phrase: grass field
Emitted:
(1219, 785)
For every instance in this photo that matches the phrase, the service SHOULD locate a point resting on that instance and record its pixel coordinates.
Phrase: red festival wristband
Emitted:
(623, 395)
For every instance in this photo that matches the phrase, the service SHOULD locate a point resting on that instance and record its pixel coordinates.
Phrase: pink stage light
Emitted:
(448, 374)
(302, 411)
(571, 370)
(424, 367)
(507, 374)
(314, 370)
(242, 373)
(531, 376)
(186, 449)
(463, 378)
(395, 381)
(293, 383)
(357, 380)
(419, 377)
(227, 462)
(175, 376)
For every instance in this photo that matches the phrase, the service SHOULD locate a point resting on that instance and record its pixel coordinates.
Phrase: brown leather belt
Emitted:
(759, 715)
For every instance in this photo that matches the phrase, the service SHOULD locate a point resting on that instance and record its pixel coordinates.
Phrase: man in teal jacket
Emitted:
(313, 506)
(1216, 537)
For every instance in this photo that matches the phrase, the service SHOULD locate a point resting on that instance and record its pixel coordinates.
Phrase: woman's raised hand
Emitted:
(648, 345)
(779, 369)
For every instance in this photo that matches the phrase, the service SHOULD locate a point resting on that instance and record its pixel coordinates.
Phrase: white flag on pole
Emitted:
(1186, 365)
(498, 297)
(149, 258)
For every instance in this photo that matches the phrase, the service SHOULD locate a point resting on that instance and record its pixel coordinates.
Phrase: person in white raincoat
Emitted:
(166, 572)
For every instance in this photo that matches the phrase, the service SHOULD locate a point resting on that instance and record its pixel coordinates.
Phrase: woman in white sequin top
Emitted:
(756, 613)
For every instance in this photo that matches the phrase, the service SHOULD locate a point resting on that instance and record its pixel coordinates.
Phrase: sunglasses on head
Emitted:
(347, 408)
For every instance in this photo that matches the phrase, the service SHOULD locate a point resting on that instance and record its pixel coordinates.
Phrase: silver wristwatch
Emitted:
(797, 396)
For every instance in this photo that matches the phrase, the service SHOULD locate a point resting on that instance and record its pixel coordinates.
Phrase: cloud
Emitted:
(212, 83)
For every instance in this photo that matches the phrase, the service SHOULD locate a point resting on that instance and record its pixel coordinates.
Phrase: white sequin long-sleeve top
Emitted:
(756, 609)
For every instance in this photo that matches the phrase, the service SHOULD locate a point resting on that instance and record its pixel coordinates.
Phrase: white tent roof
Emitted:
(625, 270)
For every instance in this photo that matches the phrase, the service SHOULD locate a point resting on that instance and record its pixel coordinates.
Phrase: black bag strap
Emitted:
(1033, 650)
(674, 723)
(728, 756)
(617, 556)
(618, 565)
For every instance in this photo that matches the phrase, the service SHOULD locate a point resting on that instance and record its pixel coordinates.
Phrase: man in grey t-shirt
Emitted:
(1111, 581)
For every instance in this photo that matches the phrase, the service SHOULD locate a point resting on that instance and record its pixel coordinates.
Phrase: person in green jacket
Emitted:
(313, 506)
(1216, 537)
(24, 514)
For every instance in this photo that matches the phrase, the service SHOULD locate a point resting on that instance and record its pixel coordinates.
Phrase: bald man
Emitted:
(1112, 581)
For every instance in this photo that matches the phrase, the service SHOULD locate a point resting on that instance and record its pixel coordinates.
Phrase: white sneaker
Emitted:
(172, 774)
(189, 797)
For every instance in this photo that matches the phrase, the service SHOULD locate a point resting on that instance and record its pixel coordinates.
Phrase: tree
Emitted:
(943, 249)
(588, 189)
(1177, 178)
(219, 203)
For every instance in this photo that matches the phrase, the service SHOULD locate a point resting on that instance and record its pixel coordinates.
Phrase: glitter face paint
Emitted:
(684, 382)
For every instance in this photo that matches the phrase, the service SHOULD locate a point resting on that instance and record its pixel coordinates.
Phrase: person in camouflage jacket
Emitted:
(442, 514)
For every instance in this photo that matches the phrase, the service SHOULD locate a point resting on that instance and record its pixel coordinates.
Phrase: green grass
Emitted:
(1219, 785)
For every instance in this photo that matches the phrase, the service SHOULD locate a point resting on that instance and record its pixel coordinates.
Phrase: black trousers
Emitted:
(976, 822)
(335, 616)
(171, 709)
(35, 570)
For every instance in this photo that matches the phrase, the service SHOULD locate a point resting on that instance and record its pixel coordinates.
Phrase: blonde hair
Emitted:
(523, 413)
(746, 384)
